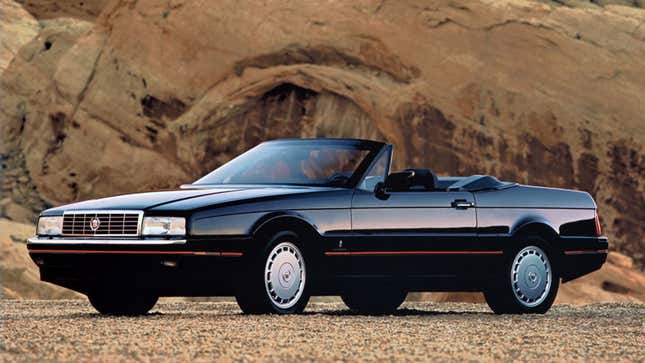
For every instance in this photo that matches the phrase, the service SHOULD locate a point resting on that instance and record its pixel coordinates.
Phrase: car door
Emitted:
(411, 232)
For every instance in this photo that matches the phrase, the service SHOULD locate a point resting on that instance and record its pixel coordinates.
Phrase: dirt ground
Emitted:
(69, 330)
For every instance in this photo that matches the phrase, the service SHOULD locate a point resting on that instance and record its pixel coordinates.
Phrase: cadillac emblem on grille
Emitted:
(94, 224)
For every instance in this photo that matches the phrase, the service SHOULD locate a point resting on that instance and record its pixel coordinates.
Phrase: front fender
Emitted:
(322, 221)
(226, 225)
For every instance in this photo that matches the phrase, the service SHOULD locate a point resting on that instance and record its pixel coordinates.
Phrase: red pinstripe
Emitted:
(376, 253)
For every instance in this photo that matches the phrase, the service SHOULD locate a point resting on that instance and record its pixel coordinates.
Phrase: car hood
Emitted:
(180, 199)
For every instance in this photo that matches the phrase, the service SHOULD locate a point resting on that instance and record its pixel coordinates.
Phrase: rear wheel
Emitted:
(276, 281)
(528, 283)
(122, 301)
(374, 299)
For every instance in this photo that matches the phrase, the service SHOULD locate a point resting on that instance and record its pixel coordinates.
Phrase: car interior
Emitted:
(410, 180)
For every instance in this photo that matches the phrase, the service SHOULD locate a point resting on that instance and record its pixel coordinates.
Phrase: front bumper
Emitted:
(176, 267)
(87, 241)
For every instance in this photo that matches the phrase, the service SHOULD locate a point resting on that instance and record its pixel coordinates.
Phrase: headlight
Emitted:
(164, 226)
(49, 226)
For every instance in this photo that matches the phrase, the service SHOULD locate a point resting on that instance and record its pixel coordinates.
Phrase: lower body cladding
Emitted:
(221, 273)
(197, 269)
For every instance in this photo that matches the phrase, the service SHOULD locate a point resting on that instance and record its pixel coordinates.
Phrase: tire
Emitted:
(374, 300)
(119, 301)
(528, 282)
(276, 281)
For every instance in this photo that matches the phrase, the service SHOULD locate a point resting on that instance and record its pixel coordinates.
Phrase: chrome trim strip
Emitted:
(132, 242)
(103, 211)
(109, 212)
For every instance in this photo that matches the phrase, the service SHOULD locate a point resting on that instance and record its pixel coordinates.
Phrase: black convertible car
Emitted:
(293, 218)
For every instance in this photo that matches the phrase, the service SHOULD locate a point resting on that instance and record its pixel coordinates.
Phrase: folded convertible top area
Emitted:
(473, 183)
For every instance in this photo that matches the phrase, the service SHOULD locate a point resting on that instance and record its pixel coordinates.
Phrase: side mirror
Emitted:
(379, 191)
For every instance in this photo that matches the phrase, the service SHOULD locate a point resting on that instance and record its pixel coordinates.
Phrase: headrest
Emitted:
(424, 178)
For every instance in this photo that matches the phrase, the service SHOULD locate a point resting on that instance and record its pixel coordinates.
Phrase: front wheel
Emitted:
(374, 300)
(127, 302)
(527, 285)
(277, 281)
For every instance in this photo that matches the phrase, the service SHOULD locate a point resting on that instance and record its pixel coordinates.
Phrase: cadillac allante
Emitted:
(294, 218)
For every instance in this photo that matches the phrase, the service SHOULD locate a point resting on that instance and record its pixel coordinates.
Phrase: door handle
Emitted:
(462, 204)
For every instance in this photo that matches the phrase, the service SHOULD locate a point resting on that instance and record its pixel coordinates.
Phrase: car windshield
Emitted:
(297, 163)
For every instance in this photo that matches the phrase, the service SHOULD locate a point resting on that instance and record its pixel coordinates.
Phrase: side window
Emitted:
(376, 173)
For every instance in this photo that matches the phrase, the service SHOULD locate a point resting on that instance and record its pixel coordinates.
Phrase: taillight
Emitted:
(598, 229)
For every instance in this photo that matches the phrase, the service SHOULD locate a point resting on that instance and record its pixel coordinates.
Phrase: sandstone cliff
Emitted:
(17, 27)
(151, 94)
(19, 276)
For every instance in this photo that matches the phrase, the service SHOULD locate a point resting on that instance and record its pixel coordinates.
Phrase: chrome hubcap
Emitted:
(531, 276)
(284, 275)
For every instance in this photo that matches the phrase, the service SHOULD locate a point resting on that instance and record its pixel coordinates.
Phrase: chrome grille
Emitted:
(110, 223)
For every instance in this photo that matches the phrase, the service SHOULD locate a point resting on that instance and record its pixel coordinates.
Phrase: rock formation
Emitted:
(17, 27)
(50, 9)
(19, 276)
(151, 94)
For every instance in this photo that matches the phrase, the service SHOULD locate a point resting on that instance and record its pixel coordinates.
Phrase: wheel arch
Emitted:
(543, 229)
(287, 219)
(273, 223)
(540, 227)
(311, 240)
(535, 224)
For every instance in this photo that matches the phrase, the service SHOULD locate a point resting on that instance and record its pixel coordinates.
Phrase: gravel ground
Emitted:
(206, 331)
